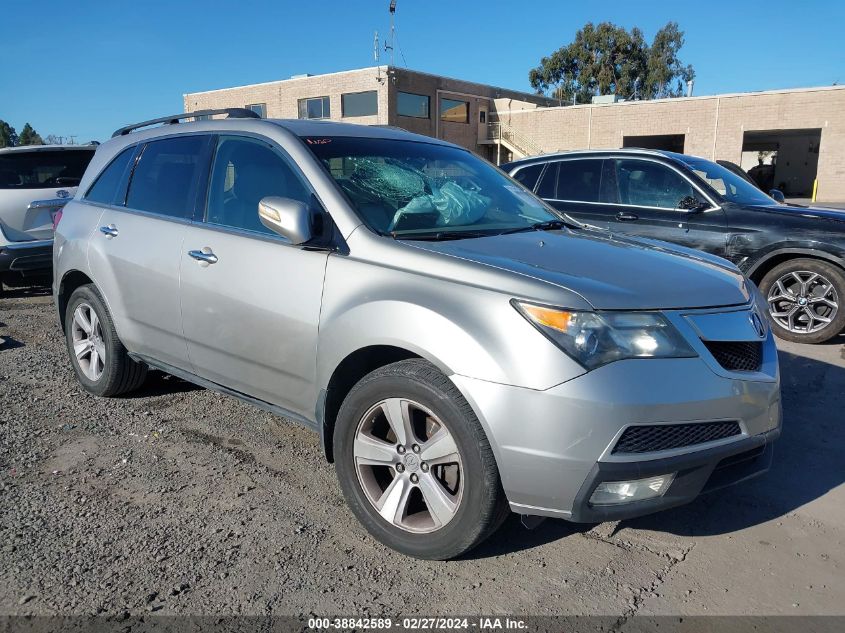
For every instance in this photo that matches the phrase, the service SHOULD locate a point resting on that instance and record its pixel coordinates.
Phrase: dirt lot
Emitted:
(179, 500)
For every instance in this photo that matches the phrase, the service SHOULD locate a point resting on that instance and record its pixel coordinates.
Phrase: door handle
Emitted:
(204, 258)
(624, 216)
(109, 231)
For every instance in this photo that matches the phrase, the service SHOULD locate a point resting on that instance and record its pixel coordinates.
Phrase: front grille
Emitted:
(662, 437)
(737, 356)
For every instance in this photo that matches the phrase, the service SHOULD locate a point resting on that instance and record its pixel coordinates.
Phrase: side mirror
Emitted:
(777, 196)
(690, 204)
(286, 217)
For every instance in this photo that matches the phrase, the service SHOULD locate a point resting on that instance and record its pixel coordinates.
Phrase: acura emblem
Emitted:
(757, 324)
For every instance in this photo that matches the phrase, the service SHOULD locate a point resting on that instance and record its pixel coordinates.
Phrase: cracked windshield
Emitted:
(416, 190)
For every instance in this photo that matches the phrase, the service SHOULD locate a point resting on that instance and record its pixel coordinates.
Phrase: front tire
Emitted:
(414, 463)
(100, 361)
(805, 299)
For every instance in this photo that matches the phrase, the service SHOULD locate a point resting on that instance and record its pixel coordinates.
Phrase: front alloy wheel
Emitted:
(414, 463)
(804, 298)
(408, 465)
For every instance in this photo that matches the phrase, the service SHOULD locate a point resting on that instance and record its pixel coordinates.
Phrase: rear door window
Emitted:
(42, 169)
(167, 176)
(579, 180)
(110, 186)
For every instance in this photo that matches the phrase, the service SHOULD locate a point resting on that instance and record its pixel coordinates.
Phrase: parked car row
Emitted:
(35, 182)
(795, 254)
(462, 348)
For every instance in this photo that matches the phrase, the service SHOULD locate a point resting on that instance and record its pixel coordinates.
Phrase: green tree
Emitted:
(8, 136)
(28, 136)
(607, 59)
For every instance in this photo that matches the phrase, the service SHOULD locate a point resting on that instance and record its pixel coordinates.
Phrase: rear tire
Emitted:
(100, 361)
(806, 300)
(444, 506)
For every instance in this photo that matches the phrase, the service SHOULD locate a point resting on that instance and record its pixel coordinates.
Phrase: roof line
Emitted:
(728, 95)
(279, 81)
(474, 83)
(384, 69)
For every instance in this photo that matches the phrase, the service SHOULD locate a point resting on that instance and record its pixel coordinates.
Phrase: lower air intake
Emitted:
(662, 437)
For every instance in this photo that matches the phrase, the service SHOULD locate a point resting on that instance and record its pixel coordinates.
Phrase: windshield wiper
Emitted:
(439, 236)
(548, 225)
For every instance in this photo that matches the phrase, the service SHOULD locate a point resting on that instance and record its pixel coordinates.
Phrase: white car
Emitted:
(35, 182)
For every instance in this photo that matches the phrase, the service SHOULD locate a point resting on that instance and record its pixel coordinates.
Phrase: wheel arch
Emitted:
(348, 372)
(761, 268)
(71, 280)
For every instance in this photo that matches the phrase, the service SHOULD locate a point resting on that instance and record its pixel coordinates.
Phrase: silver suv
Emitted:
(461, 348)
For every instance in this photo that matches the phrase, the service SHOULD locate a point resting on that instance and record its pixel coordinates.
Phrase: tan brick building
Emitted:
(452, 109)
(805, 128)
(799, 134)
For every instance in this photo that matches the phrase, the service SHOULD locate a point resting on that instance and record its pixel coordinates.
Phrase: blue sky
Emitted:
(86, 67)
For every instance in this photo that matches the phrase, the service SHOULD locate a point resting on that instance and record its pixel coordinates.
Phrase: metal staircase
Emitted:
(518, 143)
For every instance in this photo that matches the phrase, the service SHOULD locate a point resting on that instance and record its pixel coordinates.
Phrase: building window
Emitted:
(359, 103)
(408, 104)
(259, 108)
(314, 108)
(454, 111)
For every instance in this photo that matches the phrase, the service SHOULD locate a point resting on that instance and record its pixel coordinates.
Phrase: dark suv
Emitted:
(796, 255)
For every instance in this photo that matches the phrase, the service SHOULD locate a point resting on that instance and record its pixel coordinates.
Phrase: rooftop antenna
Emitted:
(376, 52)
(389, 47)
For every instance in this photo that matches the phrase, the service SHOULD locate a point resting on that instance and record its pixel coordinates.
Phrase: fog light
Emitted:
(613, 492)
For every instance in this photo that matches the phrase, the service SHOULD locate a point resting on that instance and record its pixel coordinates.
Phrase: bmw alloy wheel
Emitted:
(803, 302)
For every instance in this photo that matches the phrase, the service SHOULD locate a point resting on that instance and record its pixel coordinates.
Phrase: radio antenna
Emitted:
(390, 47)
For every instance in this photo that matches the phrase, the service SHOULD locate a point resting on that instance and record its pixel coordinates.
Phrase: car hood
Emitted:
(611, 272)
(812, 213)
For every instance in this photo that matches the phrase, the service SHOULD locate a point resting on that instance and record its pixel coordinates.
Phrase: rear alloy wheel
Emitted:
(102, 365)
(805, 300)
(87, 339)
(414, 463)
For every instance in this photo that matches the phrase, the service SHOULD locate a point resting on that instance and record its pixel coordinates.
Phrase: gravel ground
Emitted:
(177, 500)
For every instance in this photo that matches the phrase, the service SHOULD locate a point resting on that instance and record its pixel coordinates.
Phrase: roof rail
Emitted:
(233, 113)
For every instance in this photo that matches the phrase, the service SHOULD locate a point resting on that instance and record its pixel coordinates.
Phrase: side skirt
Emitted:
(213, 386)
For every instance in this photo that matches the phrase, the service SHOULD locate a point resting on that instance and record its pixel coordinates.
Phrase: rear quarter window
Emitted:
(528, 175)
(110, 186)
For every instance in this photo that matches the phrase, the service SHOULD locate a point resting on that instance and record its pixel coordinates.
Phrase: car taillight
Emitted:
(57, 215)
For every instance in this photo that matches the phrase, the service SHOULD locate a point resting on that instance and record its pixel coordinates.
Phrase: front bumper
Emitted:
(28, 259)
(698, 472)
(553, 447)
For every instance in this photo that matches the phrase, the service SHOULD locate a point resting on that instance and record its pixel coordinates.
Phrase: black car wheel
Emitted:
(414, 463)
(805, 299)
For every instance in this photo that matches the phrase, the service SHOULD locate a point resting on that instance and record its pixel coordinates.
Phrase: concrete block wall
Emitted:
(713, 127)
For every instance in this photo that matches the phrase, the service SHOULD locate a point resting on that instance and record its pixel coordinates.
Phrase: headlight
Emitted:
(597, 338)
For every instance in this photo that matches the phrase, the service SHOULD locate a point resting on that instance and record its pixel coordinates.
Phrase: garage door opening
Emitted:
(782, 159)
(668, 142)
